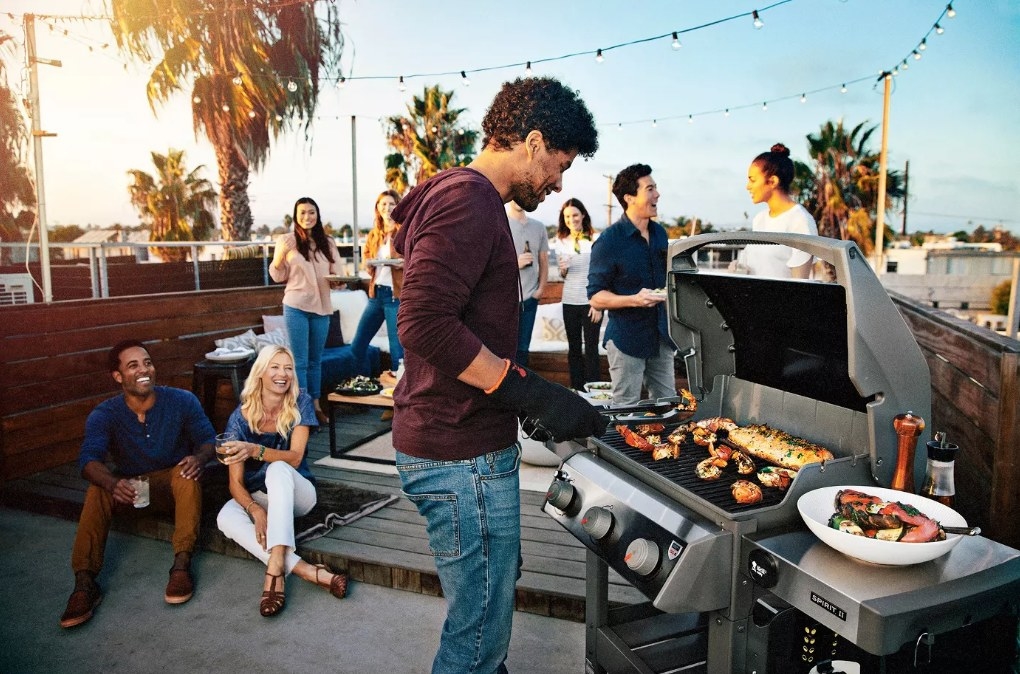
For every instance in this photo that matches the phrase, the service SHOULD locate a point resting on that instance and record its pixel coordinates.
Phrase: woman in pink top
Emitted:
(303, 259)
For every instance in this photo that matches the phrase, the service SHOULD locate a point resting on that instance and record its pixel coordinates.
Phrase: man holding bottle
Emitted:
(531, 242)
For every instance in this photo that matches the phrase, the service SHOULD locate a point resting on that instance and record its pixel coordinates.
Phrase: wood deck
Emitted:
(388, 547)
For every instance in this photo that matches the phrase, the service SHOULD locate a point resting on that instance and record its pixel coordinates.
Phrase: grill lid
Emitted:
(843, 343)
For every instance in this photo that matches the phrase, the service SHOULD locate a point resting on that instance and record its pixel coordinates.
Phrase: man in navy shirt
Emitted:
(148, 430)
(626, 278)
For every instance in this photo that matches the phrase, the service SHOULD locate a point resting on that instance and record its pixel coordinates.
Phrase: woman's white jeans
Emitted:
(288, 495)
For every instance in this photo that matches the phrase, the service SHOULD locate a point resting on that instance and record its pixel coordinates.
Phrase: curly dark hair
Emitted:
(113, 355)
(627, 179)
(545, 105)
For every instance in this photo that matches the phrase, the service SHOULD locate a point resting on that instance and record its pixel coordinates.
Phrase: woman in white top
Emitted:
(768, 181)
(581, 321)
(385, 269)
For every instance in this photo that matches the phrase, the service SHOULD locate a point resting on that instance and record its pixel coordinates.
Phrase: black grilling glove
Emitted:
(546, 410)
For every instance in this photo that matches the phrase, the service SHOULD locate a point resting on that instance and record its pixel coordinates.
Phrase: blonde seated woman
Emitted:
(269, 478)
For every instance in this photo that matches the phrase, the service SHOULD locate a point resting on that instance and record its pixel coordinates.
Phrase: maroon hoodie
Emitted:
(461, 290)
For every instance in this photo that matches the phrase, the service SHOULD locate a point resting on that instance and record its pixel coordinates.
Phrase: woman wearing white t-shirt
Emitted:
(768, 181)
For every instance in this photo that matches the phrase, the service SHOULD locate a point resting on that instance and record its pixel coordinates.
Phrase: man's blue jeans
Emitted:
(473, 511)
(306, 333)
(382, 307)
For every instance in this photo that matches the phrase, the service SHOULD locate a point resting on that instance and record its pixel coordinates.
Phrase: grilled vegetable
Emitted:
(776, 446)
(866, 515)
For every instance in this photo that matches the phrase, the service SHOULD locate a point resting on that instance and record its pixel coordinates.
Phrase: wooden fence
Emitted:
(54, 360)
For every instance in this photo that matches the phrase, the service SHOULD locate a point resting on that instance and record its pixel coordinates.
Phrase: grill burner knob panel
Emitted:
(560, 494)
(597, 522)
(642, 556)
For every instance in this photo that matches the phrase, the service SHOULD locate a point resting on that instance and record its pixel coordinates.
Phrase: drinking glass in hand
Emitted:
(221, 452)
(141, 486)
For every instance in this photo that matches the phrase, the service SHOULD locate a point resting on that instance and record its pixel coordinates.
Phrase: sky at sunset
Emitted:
(955, 113)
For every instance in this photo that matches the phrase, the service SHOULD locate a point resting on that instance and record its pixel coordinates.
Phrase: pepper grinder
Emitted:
(939, 483)
(908, 427)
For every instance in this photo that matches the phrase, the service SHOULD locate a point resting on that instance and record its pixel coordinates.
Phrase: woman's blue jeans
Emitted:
(382, 307)
(306, 333)
(473, 511)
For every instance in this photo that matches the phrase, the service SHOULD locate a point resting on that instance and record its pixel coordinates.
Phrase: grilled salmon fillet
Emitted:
(776, 446)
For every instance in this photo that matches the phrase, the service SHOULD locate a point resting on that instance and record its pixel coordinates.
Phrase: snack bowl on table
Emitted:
(599, 387)
(597, 397)
(818, 505)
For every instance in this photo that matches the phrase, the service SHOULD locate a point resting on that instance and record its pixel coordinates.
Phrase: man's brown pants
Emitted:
(168, 492)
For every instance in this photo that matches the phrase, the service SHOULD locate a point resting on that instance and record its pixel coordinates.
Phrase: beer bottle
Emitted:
(527, 249)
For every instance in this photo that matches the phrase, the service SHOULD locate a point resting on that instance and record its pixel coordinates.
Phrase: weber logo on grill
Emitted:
(675, 548)
(829, 606)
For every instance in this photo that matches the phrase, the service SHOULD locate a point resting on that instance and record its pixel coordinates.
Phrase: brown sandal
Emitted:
(272, 599)
(337, 585)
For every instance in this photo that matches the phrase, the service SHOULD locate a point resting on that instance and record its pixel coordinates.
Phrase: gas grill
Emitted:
(747, 588)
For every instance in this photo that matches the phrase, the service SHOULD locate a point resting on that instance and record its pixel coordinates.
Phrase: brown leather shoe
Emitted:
(180, 587)
(81, 605)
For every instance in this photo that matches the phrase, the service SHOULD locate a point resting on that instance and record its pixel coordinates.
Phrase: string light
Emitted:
(292, 86)
(527, 70)
(226, 108)
(917, 55)
(196, 100)
(726, 112)
(690, 119)
(341, 82)
(654, 123)
(464, 79)
(765, 106)
(842, 89)
(598, 56)
(758, 23)
(237, 80)
(803, 98)
(950, 12)
(401, 85)
(923, 45)
(251, 114)
(904, 65)
(939, 29)
(279, 118)
(676, 41)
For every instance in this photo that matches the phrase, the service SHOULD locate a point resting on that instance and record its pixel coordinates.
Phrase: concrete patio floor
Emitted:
(373, 630)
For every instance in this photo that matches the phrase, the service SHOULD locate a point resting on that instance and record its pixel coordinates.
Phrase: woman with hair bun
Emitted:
(768, 181)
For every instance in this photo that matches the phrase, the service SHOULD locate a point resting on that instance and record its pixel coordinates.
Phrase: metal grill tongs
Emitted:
(644, 412)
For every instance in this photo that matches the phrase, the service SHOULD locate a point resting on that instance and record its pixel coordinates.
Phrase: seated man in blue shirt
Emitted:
(148, 430)
(628, 264)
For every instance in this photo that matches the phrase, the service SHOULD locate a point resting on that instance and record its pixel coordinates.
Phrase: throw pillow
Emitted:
(243, 341)
(553, 330)
(271, 323)
(278, 337)
(335, 336)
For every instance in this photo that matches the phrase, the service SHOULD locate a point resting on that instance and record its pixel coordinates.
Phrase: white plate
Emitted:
(597, 397)
(817, 506)
(390, 262)
(597, 386)
(218, 356)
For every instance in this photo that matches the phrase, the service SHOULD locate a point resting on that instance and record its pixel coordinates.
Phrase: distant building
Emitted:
(94, 236)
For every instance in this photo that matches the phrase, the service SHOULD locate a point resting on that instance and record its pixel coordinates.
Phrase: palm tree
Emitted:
(176, 203)
(251, 67)
(17, 198)
(841, 189)
(428, 140)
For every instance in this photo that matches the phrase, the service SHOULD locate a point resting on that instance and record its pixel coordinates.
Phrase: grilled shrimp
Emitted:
(714, 424)
(688, 403)
(776, 477)
(708, 470)
(666, 450)
(745, 492)
(745, 466)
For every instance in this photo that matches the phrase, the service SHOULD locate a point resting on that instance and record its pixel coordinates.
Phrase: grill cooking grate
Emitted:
(681, 472)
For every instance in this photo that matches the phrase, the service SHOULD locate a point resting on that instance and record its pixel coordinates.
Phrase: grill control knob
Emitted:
(597, 521)
(642, 556)
(560, 494)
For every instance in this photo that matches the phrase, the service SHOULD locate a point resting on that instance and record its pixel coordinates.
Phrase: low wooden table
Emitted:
(386, 380)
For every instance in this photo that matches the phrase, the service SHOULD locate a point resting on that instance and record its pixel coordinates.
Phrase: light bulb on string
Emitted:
(226, 108)
(341, 82)
(464, 79)
(654, 124)
(758, 23)
(895, 71)
(939, 29)
(251, 114)
(279, 118)
(237, 80)
(917, 55)
(690, 119)
(598, 56)
(923, 45)
(904, 65)
(726, 112)
(196, 100)
(401, 85)
(950, 12)
(765, 106)
(676, 41)
(619, 127)
(803, 98)
(292, 86)
(527, 70)
(842, 89)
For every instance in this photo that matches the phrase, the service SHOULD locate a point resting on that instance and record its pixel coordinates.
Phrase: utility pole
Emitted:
(906, 195)
(882, 168)
(354, 197)
(37, 135)
(609, 201)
